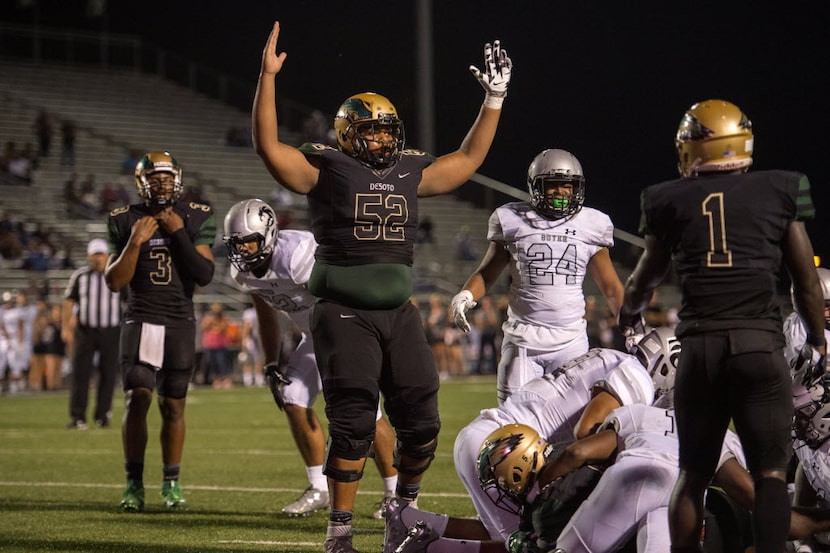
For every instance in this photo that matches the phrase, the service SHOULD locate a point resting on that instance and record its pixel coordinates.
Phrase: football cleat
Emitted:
(310, 501)
(171, 494)
(395, 530)
(381, 505)
(417, 538)
(339, 545)
(133, 498)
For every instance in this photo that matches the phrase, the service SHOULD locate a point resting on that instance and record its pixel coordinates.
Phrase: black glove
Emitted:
(276, 379)
(522, 541)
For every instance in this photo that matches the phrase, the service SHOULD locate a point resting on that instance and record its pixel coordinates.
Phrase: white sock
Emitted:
(316, 477)
(389, 486)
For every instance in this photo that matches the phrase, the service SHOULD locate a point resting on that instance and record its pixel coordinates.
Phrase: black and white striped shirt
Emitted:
(96, 305)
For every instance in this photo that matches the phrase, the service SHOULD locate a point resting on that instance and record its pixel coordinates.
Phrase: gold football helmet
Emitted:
(162, 193)
(714, 136)
(508, 462)
(364, 116)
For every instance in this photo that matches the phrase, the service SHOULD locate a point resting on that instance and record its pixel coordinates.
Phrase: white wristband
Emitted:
(466, 294)
(493, 102)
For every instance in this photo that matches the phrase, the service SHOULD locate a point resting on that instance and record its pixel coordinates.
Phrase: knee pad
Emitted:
(348, 448)
(139, 376)
(417, 452)
(345, 448)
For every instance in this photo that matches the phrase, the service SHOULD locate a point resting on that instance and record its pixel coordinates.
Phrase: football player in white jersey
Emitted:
(274, 265)
(16, 322)
(550, 243)
(571, 402)
(812, 480)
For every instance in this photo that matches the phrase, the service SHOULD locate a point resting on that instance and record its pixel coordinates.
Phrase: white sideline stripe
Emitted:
(260, 452)
(262, 542)
(196, 487)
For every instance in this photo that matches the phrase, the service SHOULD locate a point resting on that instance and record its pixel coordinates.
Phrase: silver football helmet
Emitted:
(248, 224)
(508, 462)
(659, 351)
(553, 167)
(815, 430)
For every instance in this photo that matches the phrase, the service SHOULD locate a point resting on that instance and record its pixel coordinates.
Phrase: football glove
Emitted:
(808, 365)
(461, 303)
(522, 541)
(633, 328)
(276, 379)
(496, 76)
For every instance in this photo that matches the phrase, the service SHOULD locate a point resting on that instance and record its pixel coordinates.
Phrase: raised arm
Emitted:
(286, 164)
(452, 170)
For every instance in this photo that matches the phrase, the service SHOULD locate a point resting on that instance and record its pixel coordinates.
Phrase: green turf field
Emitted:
(59, 488)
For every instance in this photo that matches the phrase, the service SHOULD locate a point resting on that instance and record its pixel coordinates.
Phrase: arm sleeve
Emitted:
(199, 267)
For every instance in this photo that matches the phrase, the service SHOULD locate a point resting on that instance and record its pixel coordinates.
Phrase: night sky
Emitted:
(608, 81)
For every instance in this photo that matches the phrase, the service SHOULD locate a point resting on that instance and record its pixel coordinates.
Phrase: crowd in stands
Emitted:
(226, 355)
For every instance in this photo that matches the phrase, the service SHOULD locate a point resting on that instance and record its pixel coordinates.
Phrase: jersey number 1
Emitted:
(718, 255)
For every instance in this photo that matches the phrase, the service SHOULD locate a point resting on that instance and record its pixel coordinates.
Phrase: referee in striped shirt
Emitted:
(91, 324)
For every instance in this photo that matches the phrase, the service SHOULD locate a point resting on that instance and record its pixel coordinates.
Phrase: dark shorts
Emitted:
(173, 378)
(363, 352)
(737, 375)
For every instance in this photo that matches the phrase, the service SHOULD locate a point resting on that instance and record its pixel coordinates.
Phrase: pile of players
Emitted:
(585, 459)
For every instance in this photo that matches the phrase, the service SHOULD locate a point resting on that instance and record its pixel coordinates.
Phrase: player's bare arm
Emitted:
(495, 260)
(269, 325)
(592, 449)
(602, 271)
(285, 163)
(651, 269)
(452, 170)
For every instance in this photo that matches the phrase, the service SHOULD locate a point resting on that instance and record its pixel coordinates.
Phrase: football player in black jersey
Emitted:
(728, 231)
(165, 252)
(368, 337)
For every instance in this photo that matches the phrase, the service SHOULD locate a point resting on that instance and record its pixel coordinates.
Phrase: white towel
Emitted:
(151, 347)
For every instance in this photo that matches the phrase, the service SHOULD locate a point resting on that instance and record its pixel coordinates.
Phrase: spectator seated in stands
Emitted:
(39, 256)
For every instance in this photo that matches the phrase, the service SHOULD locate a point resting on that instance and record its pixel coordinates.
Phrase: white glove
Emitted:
(496, 76)
(633, 328)
(808, 365)
(461, 303)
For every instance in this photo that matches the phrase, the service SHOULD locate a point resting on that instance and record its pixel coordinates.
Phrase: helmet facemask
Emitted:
(250, 235)
(659, 352)
(388, 132)
(366, 116)
(549, 169)
(508, 462)
(556, 205)
(158, 179)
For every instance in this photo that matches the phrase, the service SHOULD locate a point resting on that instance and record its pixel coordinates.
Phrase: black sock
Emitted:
(171, 472)
(771, 515)
(407, 491)
(341, 517)
(135, 470)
